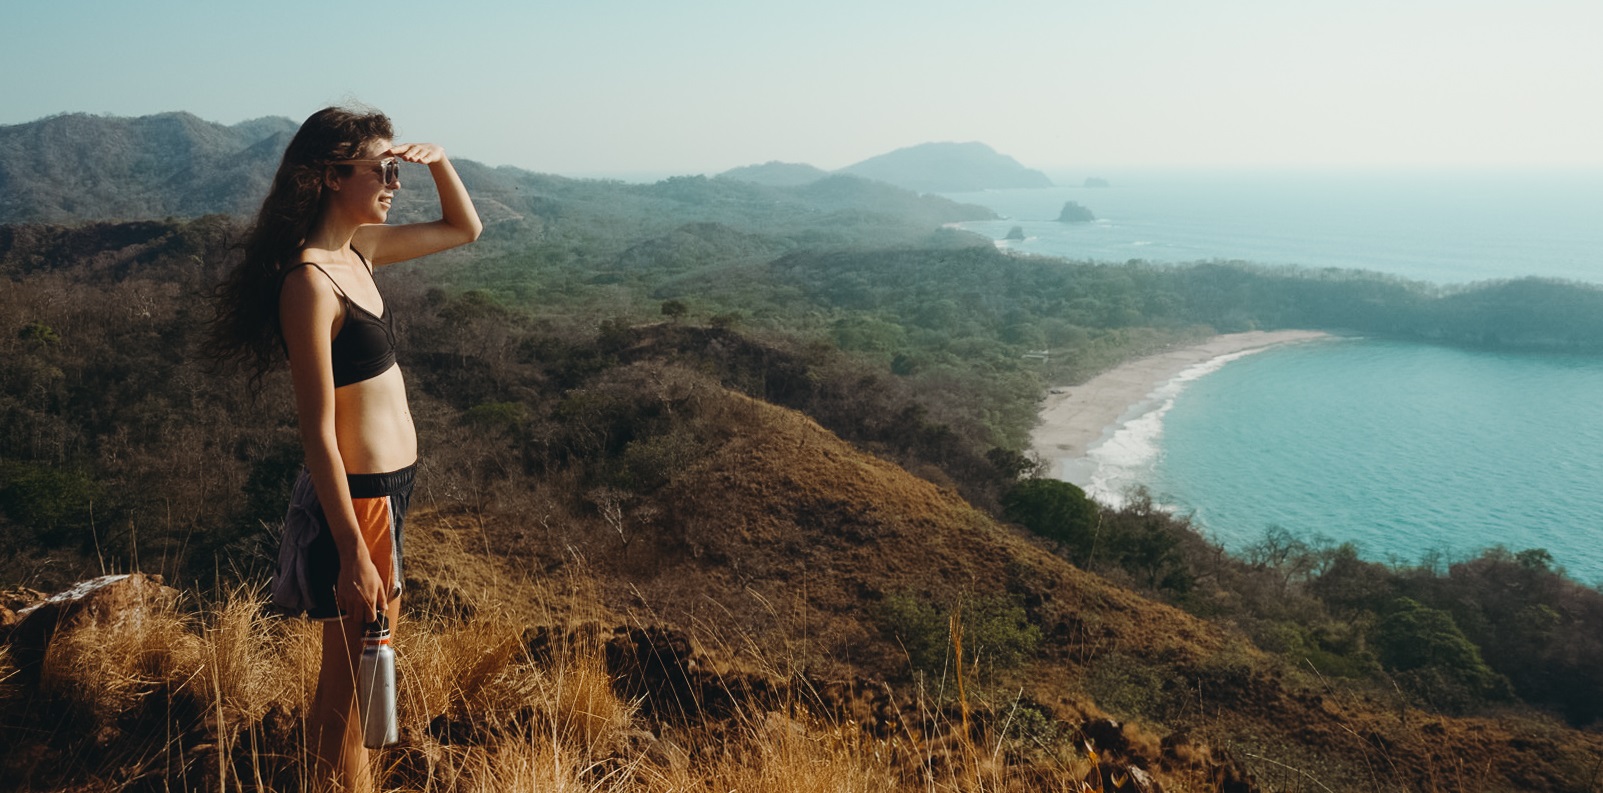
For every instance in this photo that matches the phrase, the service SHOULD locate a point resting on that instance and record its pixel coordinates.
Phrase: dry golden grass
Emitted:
(582, 707)
(513, 721)
(530, 764)
(555, 724)
(779, 755)
(103, 669)
(462, 665)
(251, 660)
(480, 713)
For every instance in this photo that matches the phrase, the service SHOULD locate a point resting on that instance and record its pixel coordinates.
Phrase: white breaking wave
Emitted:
(1124, 458)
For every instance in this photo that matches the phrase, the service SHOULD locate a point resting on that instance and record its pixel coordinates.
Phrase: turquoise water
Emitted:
(1407, 450)
(1403, 449)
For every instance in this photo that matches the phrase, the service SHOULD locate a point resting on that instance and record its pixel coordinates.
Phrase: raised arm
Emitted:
(459, 222)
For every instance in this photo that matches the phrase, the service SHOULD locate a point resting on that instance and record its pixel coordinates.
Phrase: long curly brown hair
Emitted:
(244, 332)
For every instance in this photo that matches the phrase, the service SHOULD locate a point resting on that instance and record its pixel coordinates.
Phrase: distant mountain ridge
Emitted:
(84, 167)
(78, 167)
(948, 168)
(776, 174)
(925, 168)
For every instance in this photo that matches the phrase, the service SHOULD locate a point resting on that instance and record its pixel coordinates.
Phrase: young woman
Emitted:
(306, 288)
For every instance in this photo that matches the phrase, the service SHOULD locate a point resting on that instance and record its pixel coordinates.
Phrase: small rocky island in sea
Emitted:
(1074, 213)
(1096, 181)
(1015, 233)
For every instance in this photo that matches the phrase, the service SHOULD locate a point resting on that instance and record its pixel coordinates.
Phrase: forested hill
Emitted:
(80, 167)
(925, 168)
(948, 168)
(778, 174)
(77, 167)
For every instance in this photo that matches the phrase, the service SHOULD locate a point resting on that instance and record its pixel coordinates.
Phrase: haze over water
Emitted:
(1441, 227)
(1407, 450)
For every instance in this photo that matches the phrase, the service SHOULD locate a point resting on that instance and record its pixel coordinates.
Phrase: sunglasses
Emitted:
(389, 168)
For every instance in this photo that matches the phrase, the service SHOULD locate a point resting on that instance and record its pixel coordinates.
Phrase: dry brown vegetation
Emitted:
(731, 633)
(630, 569)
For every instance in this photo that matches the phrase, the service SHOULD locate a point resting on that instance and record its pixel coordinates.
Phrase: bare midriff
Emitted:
(374, 425)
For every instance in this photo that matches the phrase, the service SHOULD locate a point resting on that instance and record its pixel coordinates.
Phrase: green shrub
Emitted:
(1056, 510)
(997, 631)
(495, 416)
(1431, 658)
(1030, 734)
(49, 501)
(38, 333)
(1331, 650)
(648, 463)
(1131, 687)
(921, 628)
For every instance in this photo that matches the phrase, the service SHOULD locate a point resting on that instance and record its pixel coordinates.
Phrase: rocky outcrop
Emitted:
(111, 600)
(13, 601)
(1074, 213)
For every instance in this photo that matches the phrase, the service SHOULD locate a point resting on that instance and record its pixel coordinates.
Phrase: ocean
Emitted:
(1440, 227)
(1409, 451)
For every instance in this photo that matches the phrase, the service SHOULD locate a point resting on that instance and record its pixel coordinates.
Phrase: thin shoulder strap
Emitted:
(284, 276)
(365, 262)
(330, 278)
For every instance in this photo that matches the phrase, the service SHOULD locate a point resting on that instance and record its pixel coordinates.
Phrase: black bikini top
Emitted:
(365, 346)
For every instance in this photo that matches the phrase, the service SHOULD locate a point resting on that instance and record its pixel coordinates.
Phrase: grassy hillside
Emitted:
(782, 604)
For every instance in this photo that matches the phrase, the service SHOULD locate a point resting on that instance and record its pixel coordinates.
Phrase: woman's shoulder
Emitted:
(303, 272)
(306, 281)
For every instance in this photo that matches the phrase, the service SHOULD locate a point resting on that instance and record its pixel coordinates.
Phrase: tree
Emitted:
(1432, 657)
(1057, 510)
(46, 500)
(1281, 552)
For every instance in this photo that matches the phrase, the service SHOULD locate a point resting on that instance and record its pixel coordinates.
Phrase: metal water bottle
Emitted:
(375, 686)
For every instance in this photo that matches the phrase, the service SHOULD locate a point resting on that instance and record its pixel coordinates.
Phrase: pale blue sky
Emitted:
(621, 86)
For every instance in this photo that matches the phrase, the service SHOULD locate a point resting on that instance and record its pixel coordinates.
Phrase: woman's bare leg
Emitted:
(335, 734)
(335, 727)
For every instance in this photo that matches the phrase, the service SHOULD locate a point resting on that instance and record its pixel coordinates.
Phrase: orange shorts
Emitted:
(309, 562)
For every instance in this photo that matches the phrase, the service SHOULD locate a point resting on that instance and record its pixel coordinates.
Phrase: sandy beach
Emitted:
(1075, 418)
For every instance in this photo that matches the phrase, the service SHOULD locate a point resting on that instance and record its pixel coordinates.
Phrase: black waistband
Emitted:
(381, 485)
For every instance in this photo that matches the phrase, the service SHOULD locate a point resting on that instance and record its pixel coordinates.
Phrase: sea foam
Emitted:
(1124, 457)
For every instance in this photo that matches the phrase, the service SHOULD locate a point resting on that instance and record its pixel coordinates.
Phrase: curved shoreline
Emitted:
(1074, 419)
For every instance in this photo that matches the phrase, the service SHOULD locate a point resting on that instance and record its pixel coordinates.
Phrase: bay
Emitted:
(1406, 450)
(1410, 451)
